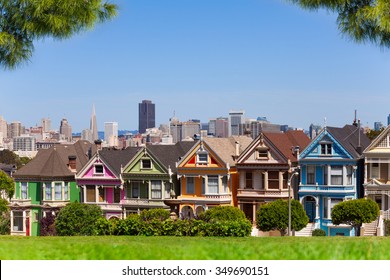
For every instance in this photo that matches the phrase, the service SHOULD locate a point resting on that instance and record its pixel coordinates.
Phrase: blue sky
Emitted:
(200, 59)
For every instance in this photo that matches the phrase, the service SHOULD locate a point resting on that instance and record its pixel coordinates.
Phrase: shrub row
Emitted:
(134, 225)
(387, 227)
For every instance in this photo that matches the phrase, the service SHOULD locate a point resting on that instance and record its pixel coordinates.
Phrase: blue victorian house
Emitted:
(332, 171)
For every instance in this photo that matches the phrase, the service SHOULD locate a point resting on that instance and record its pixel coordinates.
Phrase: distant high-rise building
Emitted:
(111, 133)
(66, 130)
(46, 124)
(15, 129)
(377, 126)
(235, 119)
(183, 130)
(146, 115)
(93, 126)
(388, 119)
(3, 128)
(314, 130)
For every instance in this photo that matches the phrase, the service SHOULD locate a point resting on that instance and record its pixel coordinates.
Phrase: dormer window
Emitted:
(99, 169)
(326, 148)
(146, 163)
(203, 157)
(262, 153)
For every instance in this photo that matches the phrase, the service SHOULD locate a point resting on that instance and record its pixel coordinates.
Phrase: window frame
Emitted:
(154, 190)
(148, 166)
(24, 190)
(210, 187)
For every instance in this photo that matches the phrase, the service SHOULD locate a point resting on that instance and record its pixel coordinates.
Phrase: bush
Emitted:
(387, 227)
(78, 219)
(318, 232)
(222, 213)
(5, 224)
(154, 214)
(47, 225)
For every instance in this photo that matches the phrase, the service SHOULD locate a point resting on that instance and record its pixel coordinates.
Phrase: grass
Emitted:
(194, 248)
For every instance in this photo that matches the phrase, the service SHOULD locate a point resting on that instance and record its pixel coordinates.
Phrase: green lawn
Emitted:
(193, 248)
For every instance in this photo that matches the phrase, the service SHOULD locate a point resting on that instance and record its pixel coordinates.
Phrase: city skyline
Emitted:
(202, 59)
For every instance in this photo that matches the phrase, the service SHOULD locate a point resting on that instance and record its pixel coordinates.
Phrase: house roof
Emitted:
(348, 137)
(169, 155)
(225, 148)
(375, 143)
(116, 159)
(53, 162)
(287, 141)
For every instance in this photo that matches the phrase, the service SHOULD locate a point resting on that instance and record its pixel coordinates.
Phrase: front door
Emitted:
(310, 208)
(28, 226)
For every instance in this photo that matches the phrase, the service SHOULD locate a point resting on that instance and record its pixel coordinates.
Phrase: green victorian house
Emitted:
(46, 184)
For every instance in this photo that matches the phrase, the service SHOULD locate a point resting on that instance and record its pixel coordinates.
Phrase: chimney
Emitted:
(237, 149)
(98, 144)
(72, 162)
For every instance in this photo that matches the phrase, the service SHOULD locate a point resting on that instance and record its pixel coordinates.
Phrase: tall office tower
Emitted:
(388, 119)
(15, 129)
(66, 130)
(377, 126)
(3, 128)
(93, 125)
(146, 115)
(111, 133)
(314, 130)
(235, 119)
(46, 124)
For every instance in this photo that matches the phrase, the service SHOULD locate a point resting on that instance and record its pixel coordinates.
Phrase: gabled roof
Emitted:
(117, 159)
(375, 143)
(169, 155)
(283, 143)
(53, 162)
(348, 137)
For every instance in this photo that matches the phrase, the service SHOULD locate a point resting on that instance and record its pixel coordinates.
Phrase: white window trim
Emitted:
(142, 165)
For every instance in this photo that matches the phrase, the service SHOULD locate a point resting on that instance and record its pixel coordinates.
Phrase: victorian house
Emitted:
(46, 184)
(331, 172)
(208, 174)
(265, 169)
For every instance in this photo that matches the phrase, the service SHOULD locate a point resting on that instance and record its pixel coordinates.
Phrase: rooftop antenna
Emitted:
(354, 120)
(325, 122)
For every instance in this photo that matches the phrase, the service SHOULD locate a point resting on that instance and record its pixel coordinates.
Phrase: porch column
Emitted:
(96, 193)
(266, 180)
(254, 214)
(84, 193)
(328, 202)
(328, 181)
(344, 174)
(12, 220)
(317, 208)
(24, 222)
(366, 171)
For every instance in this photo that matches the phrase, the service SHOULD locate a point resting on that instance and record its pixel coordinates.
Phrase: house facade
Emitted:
(46, 184)
(266, 167)
(208, 175)
(331, 172)
(377, 172)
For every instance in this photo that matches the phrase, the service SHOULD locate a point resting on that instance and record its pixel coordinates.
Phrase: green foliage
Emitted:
(274, 216)
(5, 223)
(7, 185)
(78, 219)
(363, 21)
(23, 21)
(47, 225)
(387, 227)
(154, 214)
(372, 134)
(318, 232)
(223, 213)
(355, 213)
(7, 156)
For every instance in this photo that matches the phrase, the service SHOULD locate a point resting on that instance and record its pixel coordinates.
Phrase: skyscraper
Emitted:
(146, 115)
(46, 124)
(66, 130)
(111, 133)
(93, 125)
(388, 119)
(235, 119)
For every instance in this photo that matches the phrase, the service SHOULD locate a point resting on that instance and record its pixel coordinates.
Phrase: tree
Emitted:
(274, 216)
(361, 20)
(372, 134)
(355, 213)
(23, 21)
(9, 157)
(7, 189)
(77, 219)
(223, 214)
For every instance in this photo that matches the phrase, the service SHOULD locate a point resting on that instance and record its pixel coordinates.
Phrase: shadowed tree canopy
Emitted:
(23, 21)
(362, 20)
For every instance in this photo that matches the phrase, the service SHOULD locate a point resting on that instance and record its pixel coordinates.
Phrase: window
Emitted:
(203, 185)
(48, 192)
(91, 194)
(17, 221)
(133, 191)
(190, 186)
(203, 157)
(336, 175)
(310, 175)
(326, 149)
(99, 169)
(225, 184)
(248, 180)
(325, 208)
(102, 194)
(374, 170)
(23, 188)
(117, 195)
(333, 202)
(156, 189)
(262, 153)
(58, 191)
(325, 172)
(349, 175)
(66, 191)
(213, 184)
(146, 164)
